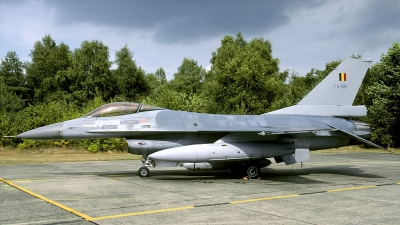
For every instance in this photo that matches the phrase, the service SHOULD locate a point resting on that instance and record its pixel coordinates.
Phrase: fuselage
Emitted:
(147, 132)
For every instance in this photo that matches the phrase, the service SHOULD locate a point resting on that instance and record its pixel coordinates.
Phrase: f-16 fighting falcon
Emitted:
(238, 142)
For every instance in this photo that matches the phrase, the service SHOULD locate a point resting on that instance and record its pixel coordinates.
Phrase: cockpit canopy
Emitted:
(121, 108)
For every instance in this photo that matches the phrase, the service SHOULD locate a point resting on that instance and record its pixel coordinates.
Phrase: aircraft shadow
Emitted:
(297, 175)
(300, 175)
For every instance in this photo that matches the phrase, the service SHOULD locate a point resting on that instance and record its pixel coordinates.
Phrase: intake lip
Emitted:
(49, 132)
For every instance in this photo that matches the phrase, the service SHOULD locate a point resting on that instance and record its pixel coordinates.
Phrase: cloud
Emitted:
(376, 23)
(181, 21)
(304, 34)
(20, 26)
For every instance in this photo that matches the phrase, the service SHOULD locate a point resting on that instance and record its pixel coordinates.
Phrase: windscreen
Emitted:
(121, 108)
(114, 109)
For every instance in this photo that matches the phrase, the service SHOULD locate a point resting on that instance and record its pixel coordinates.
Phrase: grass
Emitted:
(53, 155)
(355, 149)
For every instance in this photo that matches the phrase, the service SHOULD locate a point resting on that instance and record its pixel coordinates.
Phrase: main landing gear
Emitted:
(248, 171)
(144, 170)
(252, 168)
(252, 172)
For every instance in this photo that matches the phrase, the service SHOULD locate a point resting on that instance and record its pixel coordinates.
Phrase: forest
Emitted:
(59, 84)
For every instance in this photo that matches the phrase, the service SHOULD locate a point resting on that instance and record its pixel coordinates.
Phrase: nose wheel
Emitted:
(146, 162)
(144, 172)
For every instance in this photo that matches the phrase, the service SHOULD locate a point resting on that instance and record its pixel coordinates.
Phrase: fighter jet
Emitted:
(242, 143)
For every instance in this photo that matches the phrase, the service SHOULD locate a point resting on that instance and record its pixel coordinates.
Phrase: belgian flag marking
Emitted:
(342, 76)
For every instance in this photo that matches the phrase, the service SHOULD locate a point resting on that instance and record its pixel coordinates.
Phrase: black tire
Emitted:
(252, 172)
(144, 172)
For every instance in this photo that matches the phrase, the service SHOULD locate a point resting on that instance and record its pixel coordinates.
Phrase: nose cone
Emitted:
(50, 132)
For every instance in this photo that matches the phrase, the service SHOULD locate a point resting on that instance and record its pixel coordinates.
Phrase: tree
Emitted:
(48, 59)
(158, 84)
(131, 81)
(12, 81)
(12, 93)
(160, 76)
(12, 71)
(90, 73)
(244, 77)
(189, 78)
(171, 99)
(383, 98)
(152, 81)
(10, 103)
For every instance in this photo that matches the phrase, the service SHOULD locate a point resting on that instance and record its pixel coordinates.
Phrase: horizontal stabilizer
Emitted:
(359, 138)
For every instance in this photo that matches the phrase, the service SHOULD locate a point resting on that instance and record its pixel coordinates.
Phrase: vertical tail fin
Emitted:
(340, 87)
(335, 94)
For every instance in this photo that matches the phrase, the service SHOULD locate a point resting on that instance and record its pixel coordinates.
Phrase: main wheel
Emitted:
(253, 172)
(144, 172)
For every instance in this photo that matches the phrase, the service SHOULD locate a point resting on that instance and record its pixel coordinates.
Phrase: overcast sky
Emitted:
(304, 34)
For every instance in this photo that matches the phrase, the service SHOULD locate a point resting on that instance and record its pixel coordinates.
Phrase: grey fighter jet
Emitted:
(238, 142)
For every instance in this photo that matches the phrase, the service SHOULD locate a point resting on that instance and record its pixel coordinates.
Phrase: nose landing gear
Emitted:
(144, 170)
